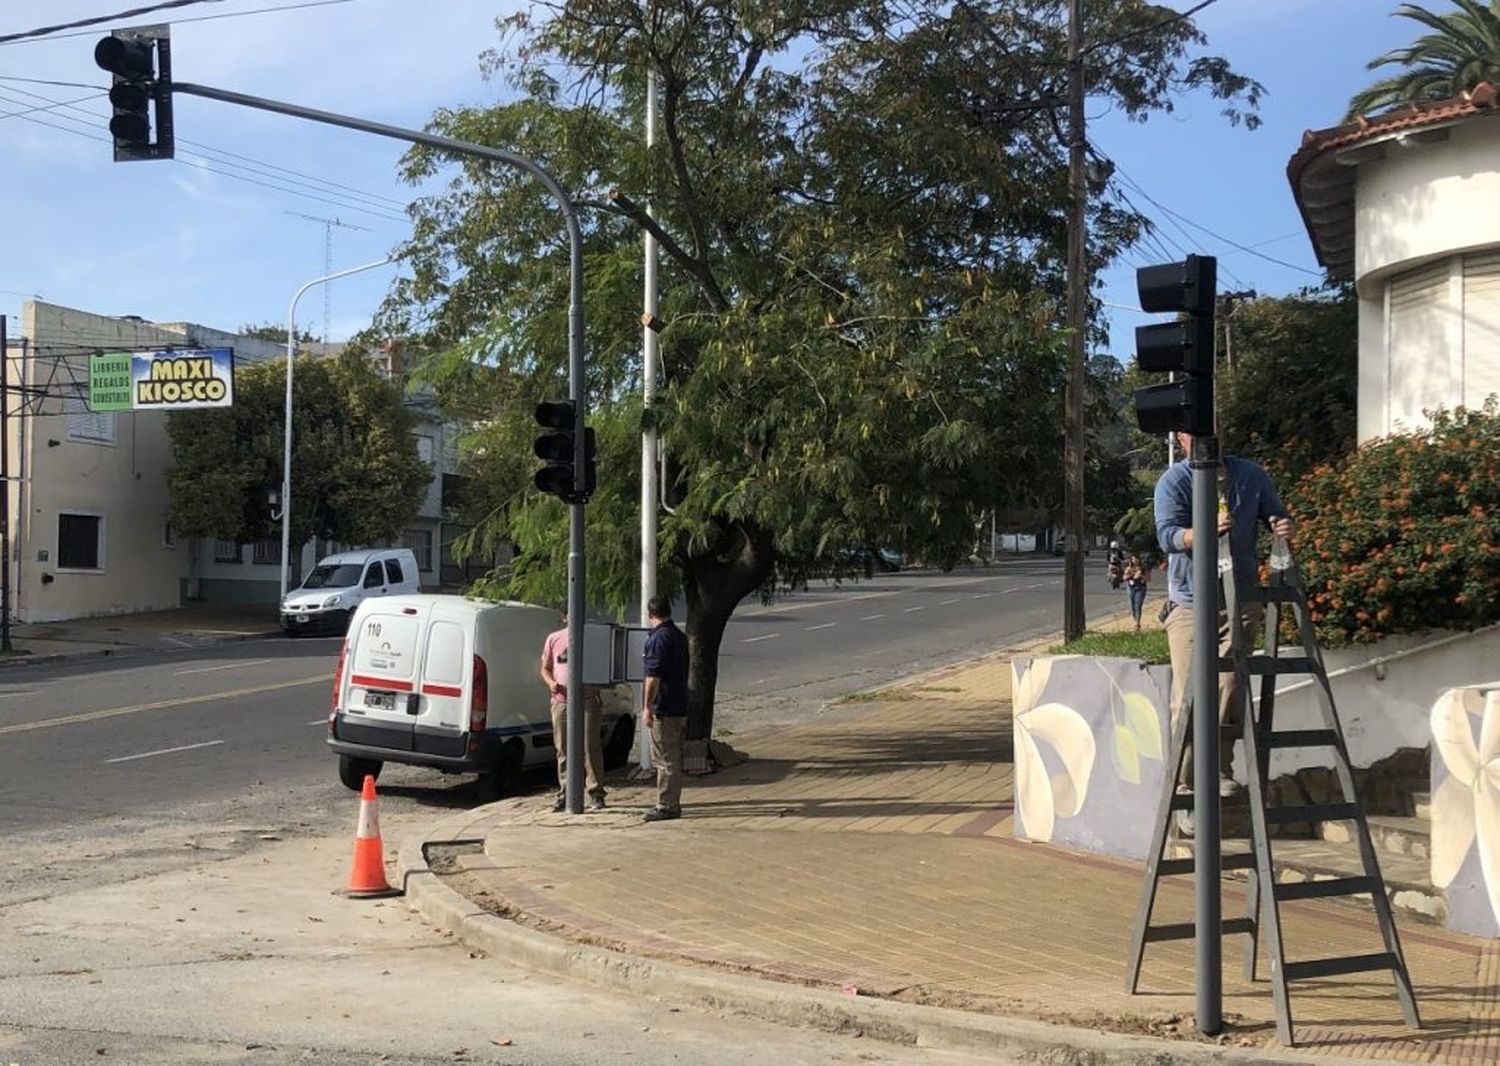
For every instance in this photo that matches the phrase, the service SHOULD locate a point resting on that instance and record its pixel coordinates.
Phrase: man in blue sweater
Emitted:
(1246, 499)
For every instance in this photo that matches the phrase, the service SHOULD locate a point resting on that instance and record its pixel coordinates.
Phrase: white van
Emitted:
(339, 583)
(452, 683)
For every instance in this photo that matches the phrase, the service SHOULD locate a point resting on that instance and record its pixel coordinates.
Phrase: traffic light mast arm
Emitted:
(576, 572)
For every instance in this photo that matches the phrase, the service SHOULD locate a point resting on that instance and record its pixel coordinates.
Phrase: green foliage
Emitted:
(1461, 50)
(1149, 645)
(1404, 535)
(1289, 401)
(271, 331)
(860, 305)
(356, 477)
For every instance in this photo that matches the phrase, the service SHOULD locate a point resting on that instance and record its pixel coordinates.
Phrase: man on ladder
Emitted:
(1247, 497)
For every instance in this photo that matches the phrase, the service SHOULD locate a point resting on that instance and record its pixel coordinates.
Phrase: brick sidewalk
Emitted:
(873, 849)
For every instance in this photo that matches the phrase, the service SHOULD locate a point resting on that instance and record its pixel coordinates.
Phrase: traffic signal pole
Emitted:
(576, 385)
(1207, 941)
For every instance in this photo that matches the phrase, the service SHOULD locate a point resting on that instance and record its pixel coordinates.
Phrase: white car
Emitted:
(327, 597)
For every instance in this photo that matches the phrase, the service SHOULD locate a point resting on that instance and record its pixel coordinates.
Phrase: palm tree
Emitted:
(1462, 49)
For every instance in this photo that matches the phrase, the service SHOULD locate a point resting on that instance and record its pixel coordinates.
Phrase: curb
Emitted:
(123, 651)
(910, 1025)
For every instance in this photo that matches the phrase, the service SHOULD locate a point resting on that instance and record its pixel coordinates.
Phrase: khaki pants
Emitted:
(593, 746)
(1179, 627)
(666, 755)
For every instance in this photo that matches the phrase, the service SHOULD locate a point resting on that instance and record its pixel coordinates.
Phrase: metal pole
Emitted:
(286, 446)
(1206, 913)
(650, 369)
(576, 569)
(1073, 612)
(5, 487)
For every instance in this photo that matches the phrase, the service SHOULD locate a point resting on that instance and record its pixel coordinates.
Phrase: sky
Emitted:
(206, 239)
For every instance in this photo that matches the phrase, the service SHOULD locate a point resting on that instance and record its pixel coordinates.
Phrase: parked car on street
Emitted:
(452, 683)
(328, 596)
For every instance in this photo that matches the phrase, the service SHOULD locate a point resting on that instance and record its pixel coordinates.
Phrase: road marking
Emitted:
(768, 636)
(980, 595)
(165, 751)
(1038, 585)
(177, 642)
(8, 695)
(871, 617)
(825, 625)
(223, 666)
(909, 610)
(945, 603)
(318, 721)
(160, 705)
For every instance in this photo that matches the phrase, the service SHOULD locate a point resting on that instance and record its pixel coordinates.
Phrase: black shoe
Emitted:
(597, 803)
(560, 805)
(661, 814)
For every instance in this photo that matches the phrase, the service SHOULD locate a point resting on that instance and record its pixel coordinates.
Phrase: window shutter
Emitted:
(1481, 327)
(83, 424)
(1418, 347)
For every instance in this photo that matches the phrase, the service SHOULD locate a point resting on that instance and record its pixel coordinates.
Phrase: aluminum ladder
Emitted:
(1264, 894)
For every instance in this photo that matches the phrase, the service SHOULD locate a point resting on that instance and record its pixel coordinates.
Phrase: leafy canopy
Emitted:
(1461, 49)
(356, 476)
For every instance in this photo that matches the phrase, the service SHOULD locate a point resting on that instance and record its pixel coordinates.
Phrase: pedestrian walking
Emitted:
(1135, 587)
(665, 707)
(555, 676)
(1247, 498)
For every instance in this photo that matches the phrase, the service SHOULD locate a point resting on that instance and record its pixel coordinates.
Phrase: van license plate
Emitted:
(380, 701)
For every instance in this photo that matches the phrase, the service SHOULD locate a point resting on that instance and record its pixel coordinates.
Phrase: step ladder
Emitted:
(1264, 894)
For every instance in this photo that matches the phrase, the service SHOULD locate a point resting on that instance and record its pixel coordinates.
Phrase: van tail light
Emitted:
(338, 683)
(479, 697)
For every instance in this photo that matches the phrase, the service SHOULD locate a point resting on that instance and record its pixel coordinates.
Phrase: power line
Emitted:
(385, 203)
(47, 107)
(48, 31)
(198, 18)
(45, 81)
(1176, 16)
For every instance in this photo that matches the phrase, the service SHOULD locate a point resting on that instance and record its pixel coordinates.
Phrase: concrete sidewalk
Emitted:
(186, 627)
(870, 853)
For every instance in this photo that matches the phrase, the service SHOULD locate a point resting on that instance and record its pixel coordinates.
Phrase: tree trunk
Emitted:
(715, 582)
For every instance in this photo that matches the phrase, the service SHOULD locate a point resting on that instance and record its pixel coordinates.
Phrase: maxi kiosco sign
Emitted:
(176, 379)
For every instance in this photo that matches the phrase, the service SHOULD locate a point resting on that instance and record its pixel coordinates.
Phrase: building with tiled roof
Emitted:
(1407, 206)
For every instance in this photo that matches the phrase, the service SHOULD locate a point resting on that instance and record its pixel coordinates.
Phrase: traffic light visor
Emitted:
(555, 414)
(127, 58)
(1186, 286)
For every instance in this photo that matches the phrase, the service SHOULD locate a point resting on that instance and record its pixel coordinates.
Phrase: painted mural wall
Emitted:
(1466, 807)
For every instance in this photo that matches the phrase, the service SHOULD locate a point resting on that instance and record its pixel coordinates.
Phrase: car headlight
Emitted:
(333, 601)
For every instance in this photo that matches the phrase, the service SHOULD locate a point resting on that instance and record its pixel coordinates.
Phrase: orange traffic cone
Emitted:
(367, 877)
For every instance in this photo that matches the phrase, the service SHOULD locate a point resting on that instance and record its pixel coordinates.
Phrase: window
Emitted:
(1481, 327)
(393, 574)
(267, 550)
(424, 449)
(1417, 342)
(168, 540)
(86, 425)
(227, 551)
(374, 577)
(79, 544)
(420, 543)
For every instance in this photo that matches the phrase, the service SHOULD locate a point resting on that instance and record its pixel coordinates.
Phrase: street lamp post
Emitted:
(286, 453)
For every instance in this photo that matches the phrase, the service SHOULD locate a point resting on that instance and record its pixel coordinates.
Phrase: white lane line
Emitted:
(222, 666)
(945, 603)
(979, 595)
(318, 721)
(165, 751)
(909, 610)
(1038, 585)
(8, 695)
(871, 617)
(825, 625)
(177, 642)
(768, 636)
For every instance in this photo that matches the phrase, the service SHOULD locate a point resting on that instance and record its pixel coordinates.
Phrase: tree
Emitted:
(1462, 50)
(861, 210)
(1289, 402)
(270, 331)
(356, 479)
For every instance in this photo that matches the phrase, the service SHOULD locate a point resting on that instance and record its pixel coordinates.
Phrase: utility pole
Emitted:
(1073, 616)
(328, 225)
(650, 370)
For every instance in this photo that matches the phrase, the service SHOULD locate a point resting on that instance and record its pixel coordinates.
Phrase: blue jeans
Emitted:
(1137, 601)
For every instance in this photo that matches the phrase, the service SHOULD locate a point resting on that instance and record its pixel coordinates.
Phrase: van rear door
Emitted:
(442, 721)
(381, 699)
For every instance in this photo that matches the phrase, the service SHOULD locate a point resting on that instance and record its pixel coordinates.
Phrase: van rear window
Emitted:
(387, 645)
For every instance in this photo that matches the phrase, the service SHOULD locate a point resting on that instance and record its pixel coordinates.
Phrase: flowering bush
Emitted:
(1404, 535)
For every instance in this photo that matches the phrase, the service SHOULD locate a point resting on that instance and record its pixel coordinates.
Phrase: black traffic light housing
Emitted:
(140, 58)
(1184, 347)
(556, 447)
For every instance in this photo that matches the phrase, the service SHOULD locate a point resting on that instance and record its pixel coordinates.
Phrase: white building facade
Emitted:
(1404, 205)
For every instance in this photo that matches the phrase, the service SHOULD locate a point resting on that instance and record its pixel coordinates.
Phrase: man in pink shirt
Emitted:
(555, 677)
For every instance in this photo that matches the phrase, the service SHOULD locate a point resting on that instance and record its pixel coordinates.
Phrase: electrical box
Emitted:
(599, 667)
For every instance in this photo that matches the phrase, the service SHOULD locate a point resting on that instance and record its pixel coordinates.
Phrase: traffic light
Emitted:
(140, 58)
(1185, 347)
(558, 477)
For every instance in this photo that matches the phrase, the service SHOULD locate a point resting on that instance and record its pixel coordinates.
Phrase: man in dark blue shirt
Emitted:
(666, 706)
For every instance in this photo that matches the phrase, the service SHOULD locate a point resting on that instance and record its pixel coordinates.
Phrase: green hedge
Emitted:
(1404, 535)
